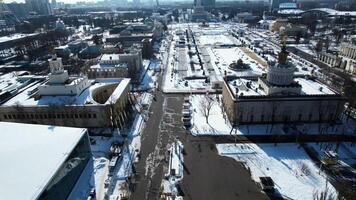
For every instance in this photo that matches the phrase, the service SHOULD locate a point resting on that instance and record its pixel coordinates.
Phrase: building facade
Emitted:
(56, 162)
(41, 7)
(280, 98)
(124, 65)
(75, 102)
(330, 59)
(348, 53)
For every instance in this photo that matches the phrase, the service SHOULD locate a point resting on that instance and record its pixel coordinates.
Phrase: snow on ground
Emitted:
(221, 58)
(215, 40)
(129, 155)
(101, 162)
(292, 171)
(149, 78)
(345, 151)
(220, 125)
(307, 48)
(174, 172)
(123, 169)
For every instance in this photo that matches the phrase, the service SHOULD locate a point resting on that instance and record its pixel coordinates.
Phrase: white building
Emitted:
(348, 53)
(124, 65)
(59, 82)
(280, 97)
(69, 101)
(44, 162)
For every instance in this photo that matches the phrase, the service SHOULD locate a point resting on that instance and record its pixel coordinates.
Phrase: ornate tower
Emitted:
(58, 75)
(282, 73)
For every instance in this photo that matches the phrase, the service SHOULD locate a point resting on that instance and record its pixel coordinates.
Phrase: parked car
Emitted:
(186, 121)
(186, 106)
(186, 113)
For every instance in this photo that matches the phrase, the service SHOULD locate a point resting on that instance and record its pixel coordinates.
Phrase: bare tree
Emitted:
(206, 103)
(325, 194)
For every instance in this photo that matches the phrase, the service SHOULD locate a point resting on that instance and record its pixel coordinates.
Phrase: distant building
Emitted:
(45, 162)
(274, 4)
(69, 101)
(205, 3)
(90, 51)
(20, 10)
(41, 7)
(54, 4)
(330, 59)
(348, 53)
(128, 64)
(127, 35)
(199, 14)
(246, 17)
(345, 60)
(60, 25)
(279, 97)
(147, 48)
(136, 3)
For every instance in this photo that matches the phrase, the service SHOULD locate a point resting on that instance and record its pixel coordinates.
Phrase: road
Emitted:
(206, 174)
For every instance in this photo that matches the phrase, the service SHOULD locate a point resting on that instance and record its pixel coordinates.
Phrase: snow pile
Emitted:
(175, 171)
(293, 173)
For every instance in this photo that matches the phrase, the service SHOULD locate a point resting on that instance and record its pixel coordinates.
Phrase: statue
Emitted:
(283, 55)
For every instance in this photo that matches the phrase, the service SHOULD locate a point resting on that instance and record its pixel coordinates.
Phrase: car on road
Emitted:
(186, 113)
(186, 121)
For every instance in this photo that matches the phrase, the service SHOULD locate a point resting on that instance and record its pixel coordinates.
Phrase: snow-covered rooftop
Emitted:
(26, 97)
(110, 57)
(246, 87)
(251, 87)
(310, 87)
(31, 155)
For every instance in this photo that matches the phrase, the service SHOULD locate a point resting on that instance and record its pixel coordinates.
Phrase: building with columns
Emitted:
(62, 100)
(348, 54)
(280, 97)
(330, 59)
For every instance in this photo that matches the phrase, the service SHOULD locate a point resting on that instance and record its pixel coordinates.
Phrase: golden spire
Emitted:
(283, 55)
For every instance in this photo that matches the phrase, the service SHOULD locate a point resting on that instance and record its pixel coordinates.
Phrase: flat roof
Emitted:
(309, 87)
(26, 97)
(106, 57)
(31, 155)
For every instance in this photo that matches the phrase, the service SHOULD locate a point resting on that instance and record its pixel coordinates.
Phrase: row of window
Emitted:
(50, 116)
(288, 117)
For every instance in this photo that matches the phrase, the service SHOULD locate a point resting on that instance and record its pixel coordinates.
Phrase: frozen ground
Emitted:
(294, 174)
(174, 172)
(220, 125)
(123, 169)
(149, 78)
(346, 151)
(215, 40)
(221, 58)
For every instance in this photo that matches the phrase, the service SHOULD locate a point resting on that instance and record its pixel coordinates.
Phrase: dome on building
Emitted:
(281, 73)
